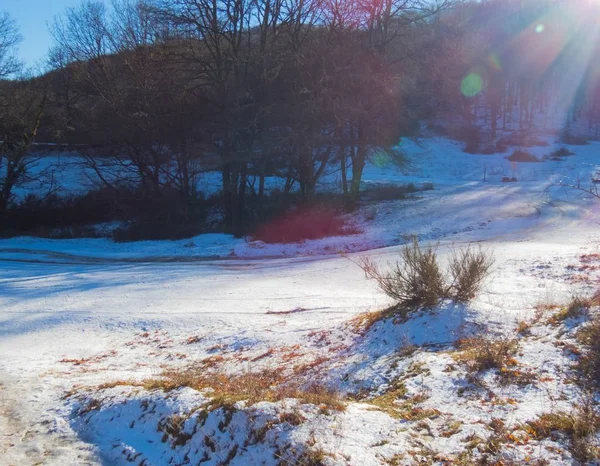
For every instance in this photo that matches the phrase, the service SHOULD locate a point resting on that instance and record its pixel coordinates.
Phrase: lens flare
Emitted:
(540, 28)
(381, 159)
(494, 62)
(471, 85)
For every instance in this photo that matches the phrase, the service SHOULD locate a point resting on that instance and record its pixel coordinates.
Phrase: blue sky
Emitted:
(33, 18)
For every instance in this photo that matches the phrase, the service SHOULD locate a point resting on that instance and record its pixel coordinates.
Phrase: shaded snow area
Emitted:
(460, 207)
(219, 351)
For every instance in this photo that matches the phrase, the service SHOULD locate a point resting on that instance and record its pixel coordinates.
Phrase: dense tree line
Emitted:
(154, 93)
(287, 88)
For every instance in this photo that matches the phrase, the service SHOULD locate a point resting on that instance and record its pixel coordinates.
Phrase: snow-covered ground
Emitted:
(85, 324)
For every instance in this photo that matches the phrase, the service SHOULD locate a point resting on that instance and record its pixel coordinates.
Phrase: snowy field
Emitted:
(86, 325)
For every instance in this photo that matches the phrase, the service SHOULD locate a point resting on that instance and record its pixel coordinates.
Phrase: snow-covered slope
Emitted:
(86, 324)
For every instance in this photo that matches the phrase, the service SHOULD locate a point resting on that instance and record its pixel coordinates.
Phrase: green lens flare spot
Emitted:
(381, 159)
(540, 28)
(471, 85)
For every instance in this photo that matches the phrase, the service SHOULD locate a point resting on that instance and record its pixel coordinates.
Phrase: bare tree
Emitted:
(20, 117)
(21, 109)
(9, 39)
(134, 104)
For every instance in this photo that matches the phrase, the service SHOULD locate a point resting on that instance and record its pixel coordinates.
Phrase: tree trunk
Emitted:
(240, 201)
(344, 169)
(261, 184)
(233, 199)
(227, 194)
(3, 204)
(358, 165)
(307, 184)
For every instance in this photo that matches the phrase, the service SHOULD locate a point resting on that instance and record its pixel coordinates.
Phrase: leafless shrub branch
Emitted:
(418, 280)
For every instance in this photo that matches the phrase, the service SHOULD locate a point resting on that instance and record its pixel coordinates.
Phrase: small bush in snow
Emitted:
(562, 152)
(567, 137)
(418, 280)
(468, 268)
(523, 156)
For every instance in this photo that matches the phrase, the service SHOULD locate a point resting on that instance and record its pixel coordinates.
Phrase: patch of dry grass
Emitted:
(406, 409)
(118, 383)
(310, 456)
(588, 364)
(395, 403)
(362, 323)
(580, 426)
(575, 308)
(268, 385)
(481, 353)
(293, 417)
(524, 328)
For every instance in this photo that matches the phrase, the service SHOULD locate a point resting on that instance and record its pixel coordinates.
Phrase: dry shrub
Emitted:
(569, 138)
(482, 353)
(418, 279)
(468, 268)
(559, 153)
(523, 156)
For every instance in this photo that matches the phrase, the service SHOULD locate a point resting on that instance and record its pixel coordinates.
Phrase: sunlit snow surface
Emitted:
(80, 313)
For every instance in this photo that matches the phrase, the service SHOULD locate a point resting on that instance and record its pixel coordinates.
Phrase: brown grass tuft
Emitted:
(575, 308)
(269, 385)
(580, 427)
(395, 403)
(482, 353)
(588, 364)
